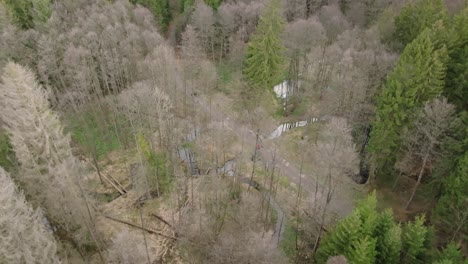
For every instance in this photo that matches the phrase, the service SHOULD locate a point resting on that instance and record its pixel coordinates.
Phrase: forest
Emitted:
(234, 131)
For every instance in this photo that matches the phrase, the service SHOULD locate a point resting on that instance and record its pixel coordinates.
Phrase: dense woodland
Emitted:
(234, 131)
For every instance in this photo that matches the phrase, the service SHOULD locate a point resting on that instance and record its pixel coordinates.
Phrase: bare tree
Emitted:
(335, 157)
(127, 248)
(424, 139)
(49, 171)
(333, 21)
(25, 238)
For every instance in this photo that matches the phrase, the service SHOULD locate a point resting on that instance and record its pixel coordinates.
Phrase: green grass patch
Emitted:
(7, 156)
(96, 133)
(288, 244)
(224, 72)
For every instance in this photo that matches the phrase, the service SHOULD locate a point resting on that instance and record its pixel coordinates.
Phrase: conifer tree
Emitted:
(340, 240)
(418, 77)
(388, 235)
(415, 18)
(264, 62)
(414, 240)
(49, 172)
(24, 237)
(457, 68)
(450, 215)
(29, 13)
(451, 254)
(363, 251)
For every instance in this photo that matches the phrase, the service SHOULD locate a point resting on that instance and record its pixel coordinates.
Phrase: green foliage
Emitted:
(340, 240)
(160, 9)
(159, 179)
(288, 243)
(214, 3)
(93, 134)
(6, 153)
(450, 211)
(265, 60)
(457, 68)
(415, 18)
(388, 235)
(367, 236)
(414, 240)
(363, 251)
(29, 13)
(418, 77)
(451, 254)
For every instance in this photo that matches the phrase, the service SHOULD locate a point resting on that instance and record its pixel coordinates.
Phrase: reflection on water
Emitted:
(288, 126)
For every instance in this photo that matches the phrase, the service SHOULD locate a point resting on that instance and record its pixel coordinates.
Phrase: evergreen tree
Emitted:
(414, 241)
(451, 216)
(451, 254)
(415, 18)
(340, 240)
(363, 251)
(388, 235)
(265, 61)
(418, 77)
(457, 68)
(29, 13)
(383, 241)
(160, 9)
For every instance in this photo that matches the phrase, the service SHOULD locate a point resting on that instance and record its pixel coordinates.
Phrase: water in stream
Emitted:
(288, 126)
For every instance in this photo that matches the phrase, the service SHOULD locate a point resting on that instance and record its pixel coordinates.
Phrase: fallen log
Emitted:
(162, 220)
(140, 227)
(109, 178)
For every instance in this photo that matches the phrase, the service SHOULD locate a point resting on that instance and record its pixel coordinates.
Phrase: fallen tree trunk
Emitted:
(140, 227)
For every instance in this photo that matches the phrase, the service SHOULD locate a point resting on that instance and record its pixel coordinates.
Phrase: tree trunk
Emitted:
(421, 172)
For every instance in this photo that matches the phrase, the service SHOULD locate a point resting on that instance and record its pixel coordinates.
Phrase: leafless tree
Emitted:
(49, 171)
(25, 238)
(335, 157)
(127, 248)
(424, 139)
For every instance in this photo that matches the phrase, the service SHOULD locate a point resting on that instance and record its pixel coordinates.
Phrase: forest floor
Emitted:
(343, 199)
(111, 207)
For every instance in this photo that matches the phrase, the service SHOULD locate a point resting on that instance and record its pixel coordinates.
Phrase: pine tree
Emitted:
(451, 254)
(450, 214)
(264, 62)
(363, 251)
(340, 240)
(29, 13)
(415, 18)
(352, 236)
(457, 68)
(414, 241)
(418, 77)
(388, 235)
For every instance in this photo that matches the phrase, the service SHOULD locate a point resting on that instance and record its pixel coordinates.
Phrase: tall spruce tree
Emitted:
(367, 236)
(415, 239)
(29, 13)
(416, 17)
(451, 216)
(457, 68)
(265, 60)
(418, 77)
